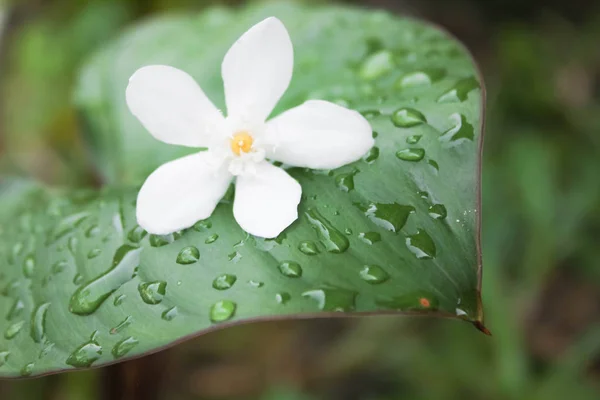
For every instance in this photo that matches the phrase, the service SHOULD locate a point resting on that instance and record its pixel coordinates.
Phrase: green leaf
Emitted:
(85, 286)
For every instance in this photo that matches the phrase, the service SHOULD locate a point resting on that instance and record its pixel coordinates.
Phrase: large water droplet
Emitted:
(160, 240)
(88, 298)
(16, 309)
(13, 330)
(415, 301)
(290, 269)
(369, 237)
(124, 346)
(332, 298)
(136, 234)
(152, 292)
(438, 211)
(78, 279)
(460, 91)
(408, 117)
(29, 266)
(169, 313)
(211, 239)
(309, 248)
(462, 129)
(256, 284)
(224, 282)
(377, 65)
(121, 325)
(38, 323)
(374, 274)
(85, 355)
(222, 310)
(234, 257)
(345, 181)
(372, 155)
(421, 245)
(391, 217)
(282, 297)
(420, 78)
(188, 255)
(333, 240)
(416, 154)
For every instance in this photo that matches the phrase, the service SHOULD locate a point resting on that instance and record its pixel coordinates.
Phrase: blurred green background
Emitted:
(541, 232)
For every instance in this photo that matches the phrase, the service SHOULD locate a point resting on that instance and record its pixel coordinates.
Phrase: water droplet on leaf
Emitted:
(374, 274)
(411, 154)
(333, 240)
(222, 310)
(369, 237)
(152, 292)
(309, 248)
(290, 269)
(188, 255)
(224, 282)
(408, 117)
(421, 245)
(438, 211)
(124, 346)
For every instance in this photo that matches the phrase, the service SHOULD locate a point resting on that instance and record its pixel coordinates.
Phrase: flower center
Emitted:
(241, 142)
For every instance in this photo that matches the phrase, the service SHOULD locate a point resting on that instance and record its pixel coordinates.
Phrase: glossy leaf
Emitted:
(85, 286)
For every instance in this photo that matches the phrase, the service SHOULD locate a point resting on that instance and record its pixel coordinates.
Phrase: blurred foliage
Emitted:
(541, 229)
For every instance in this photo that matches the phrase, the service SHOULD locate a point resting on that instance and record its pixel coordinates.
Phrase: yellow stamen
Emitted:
(241, 141)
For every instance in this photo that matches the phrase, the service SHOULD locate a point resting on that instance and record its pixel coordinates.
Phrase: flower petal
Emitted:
(319, 135)
(172, 107)
(257, 70)
(180, 193)
(266, 202)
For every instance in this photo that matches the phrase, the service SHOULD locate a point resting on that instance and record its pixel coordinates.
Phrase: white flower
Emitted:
(256, 72)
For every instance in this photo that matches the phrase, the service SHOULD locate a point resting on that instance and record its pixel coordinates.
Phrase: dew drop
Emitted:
(88, 298)
(460, 91)
(391, 217)
(136, 234)
(416, 154)
(160, 240)
(92, 231)
(27, 369)
(224, 282)
(85, 355)
(408, 117)
(202, 226)
(374, 274)
(38, 323)
(377, 65)
(211, 239)
(434, 164)
(309, 248)
(333, 240)
(291, 269)
(4, 357)
(58, 267)
(420, 78)
(369, 237)
(13, 330)
(72, 245)
(345, 181)
(332, 298)
(121, 325)
(222, 310)
(462, 129)
(370, 114)
(256, 284)
(413, 139)
(94, 253)
(78, 279)
(29, 266)
(234, 257)
(372, 155)
(169, 313)
(282, 297)
(119, 300)
(152, 292)
(421, 245)
(438, 211)
(188, 255)
(124, 346)
(16, 309)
